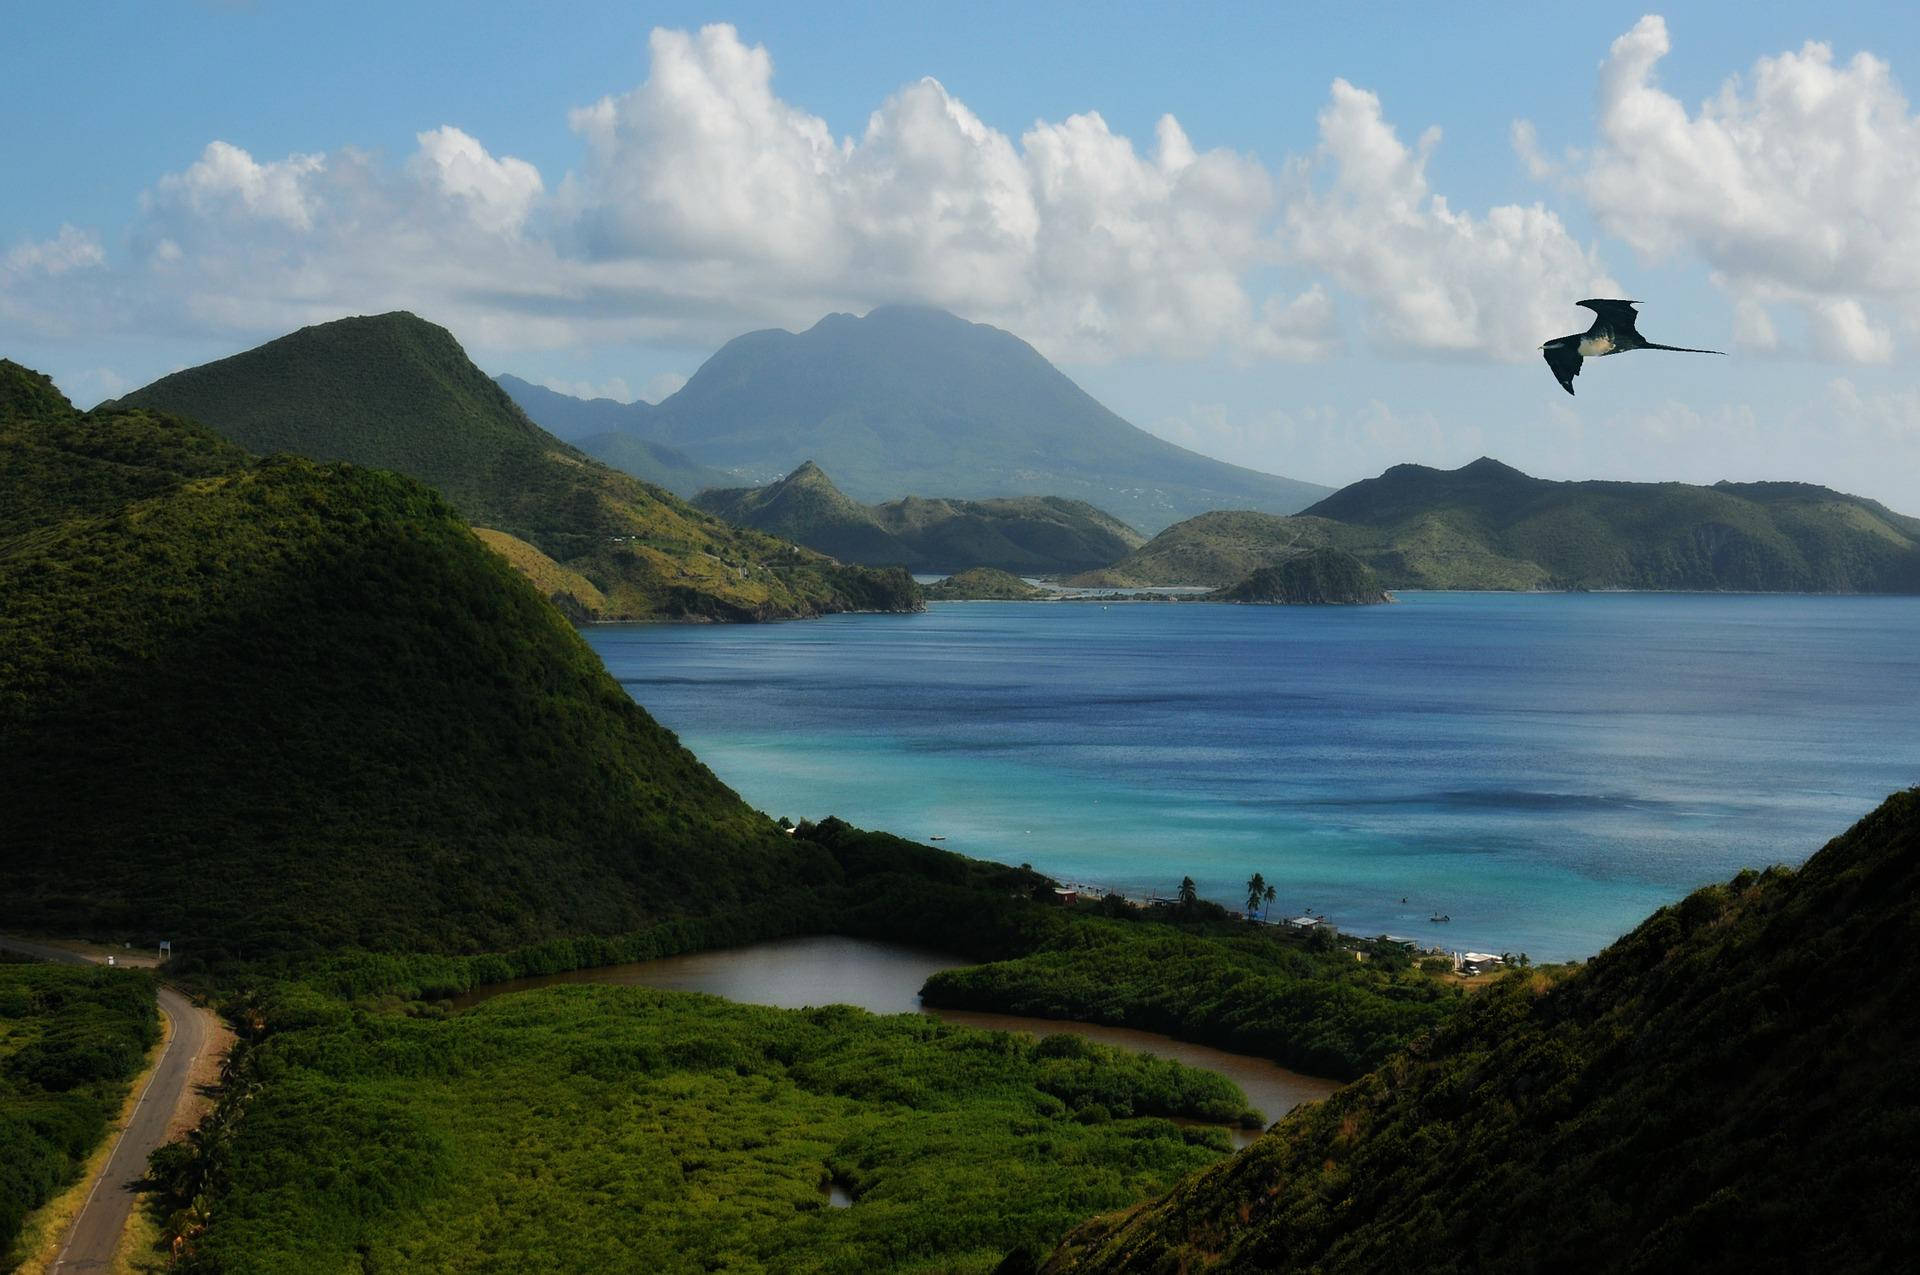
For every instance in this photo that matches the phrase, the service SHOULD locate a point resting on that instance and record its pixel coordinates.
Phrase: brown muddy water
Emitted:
(885, 978)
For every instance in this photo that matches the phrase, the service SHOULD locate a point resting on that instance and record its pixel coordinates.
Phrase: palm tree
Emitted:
(1256, 891)
(1271, 893)
(1189, 894)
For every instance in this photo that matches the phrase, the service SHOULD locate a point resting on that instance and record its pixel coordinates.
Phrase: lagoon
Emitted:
(1544, 769)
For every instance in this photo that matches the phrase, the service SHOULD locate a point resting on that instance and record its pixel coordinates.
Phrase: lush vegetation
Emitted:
(398, 393)
(1299, 999)
(285, 705)
(1317, 577)
(915, 400)
(983, 584)
(1029, 533)
(1727, 1088)
(1488, 526)
(592, 1129)
(71, 1037)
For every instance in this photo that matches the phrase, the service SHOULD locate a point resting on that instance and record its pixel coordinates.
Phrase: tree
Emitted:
(1256, 891)
(1271, 894)
(1189, 893)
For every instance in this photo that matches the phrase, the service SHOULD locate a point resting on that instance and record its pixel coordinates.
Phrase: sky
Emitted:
(1317, 240)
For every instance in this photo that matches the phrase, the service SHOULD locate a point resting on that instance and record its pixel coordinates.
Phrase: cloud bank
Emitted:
(703, 204)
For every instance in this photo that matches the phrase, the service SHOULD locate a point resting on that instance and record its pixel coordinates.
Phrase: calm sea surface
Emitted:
(1545, 770)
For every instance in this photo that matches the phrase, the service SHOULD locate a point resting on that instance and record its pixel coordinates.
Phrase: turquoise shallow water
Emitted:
(1543, 769)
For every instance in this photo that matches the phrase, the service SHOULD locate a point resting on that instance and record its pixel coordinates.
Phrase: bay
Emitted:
(1542, 769)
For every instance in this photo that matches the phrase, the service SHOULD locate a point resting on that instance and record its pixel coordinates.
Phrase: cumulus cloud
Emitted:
(1432, 278)
(497, 194)
(71, 249)
(1799, 187)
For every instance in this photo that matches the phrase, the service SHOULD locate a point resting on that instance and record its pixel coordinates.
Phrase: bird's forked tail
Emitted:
(1681, 349)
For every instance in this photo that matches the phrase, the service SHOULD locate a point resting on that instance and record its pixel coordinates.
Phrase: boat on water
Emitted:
(936, 838)
(1439, 917)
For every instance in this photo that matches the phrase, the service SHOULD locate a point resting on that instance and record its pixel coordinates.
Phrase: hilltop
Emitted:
(1489, 526)
(1727, 1088)
(909, 399)
(271, 705)
(396, 392)
(983, 584)
(1029, 533)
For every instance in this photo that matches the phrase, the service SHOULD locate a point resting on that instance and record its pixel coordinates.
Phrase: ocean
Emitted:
(1543, 770)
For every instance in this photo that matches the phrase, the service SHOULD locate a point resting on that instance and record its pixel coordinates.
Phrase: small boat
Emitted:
(936, 838)
(1439, 917)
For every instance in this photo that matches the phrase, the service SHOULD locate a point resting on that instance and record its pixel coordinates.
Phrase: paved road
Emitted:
(95, 1233)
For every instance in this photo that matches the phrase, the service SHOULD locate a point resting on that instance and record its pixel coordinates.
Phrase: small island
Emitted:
(1319, 577)
(984, 584)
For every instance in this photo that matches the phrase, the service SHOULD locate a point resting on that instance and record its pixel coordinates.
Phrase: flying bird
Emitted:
(1612, 333)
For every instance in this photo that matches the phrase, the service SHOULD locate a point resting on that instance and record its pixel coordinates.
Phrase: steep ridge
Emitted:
(909, 399)
(1019, 534)
(278, 705)
(1489, 526)
(1727, 1088)
(396, 392)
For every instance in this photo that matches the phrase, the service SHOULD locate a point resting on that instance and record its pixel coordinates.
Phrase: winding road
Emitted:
(89, 1244)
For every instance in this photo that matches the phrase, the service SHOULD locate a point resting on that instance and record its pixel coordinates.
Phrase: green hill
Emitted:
(1030, 534)
(1489, 526)
(983, 584)
(1727, 1088)
(1317, 577)
(910, 399)
(278, 705)
(398, 393)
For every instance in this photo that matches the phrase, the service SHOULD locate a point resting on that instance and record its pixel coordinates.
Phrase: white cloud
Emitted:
(496, 193)
(1799, 187)
(662, 385)
(71, 249)
(226, 185)
(1432, 278)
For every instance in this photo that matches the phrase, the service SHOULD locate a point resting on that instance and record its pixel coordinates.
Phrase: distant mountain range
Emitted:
(1726, 1089)
(396, 392)
(1027, 534)
(614, 433)
(1489, 526)
(913, 401)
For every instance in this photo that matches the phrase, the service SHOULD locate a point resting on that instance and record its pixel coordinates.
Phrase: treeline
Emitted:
(70, 1039)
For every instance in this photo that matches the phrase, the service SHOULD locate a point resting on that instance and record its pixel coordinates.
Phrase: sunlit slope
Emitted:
(397, 392)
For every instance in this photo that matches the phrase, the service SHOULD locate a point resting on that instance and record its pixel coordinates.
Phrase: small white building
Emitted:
(1479, 962)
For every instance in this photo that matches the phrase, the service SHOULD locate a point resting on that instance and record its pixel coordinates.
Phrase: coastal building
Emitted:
(1479, 962)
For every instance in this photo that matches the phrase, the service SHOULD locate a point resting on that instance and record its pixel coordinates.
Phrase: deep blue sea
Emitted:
(1543, 769)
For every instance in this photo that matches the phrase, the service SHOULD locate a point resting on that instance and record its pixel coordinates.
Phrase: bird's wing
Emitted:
(1620, 312)
(1565, 363)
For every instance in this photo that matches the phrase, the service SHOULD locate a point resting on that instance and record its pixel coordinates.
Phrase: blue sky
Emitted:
(1295, 274)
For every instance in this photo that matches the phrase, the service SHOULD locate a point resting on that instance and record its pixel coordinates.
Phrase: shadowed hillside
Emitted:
(396, 392)
(270, 705)
(1727, 1088)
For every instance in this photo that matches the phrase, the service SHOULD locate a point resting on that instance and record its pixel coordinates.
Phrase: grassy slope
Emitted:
(1487, 526)
(70, 1040)
(1727, 1088)
(1028, 533)
(292, 704)
(396, 392)
(912, 400)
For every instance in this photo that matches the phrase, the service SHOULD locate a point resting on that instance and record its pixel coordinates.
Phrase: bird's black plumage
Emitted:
(1613, 332)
